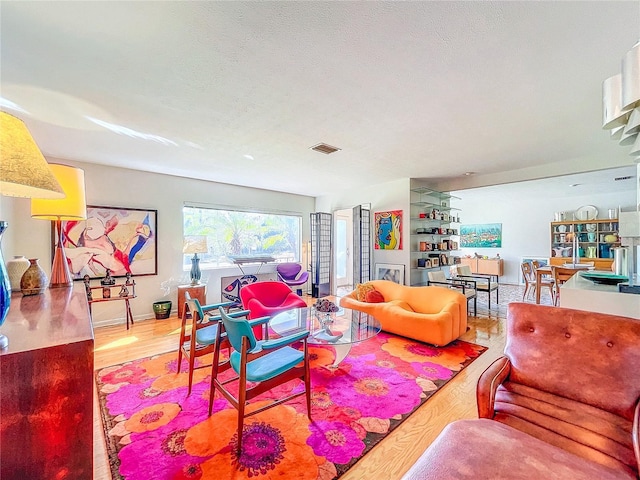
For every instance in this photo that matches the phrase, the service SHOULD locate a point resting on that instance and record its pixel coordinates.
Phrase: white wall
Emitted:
(393, 195)
(117, 187)
(526, 219)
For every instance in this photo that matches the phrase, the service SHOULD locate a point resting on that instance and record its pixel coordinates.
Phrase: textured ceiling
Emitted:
(237, 92)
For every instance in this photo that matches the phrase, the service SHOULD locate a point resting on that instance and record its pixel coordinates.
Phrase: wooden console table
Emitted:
(109, 293)
(46, 387)
(486, 266)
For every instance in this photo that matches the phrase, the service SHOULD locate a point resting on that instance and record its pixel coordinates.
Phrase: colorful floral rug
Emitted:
(155, 431)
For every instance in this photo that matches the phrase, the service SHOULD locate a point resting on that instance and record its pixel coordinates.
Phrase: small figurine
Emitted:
(87, 287)
(128, 275)
(108, 279)
(124, 291)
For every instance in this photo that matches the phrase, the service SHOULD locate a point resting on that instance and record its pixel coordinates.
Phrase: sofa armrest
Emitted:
(488, 384)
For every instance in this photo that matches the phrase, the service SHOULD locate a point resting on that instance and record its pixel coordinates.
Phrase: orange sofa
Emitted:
(434, 315)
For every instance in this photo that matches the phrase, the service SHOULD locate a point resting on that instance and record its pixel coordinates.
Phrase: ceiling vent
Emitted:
(324, 148)
(617, 179)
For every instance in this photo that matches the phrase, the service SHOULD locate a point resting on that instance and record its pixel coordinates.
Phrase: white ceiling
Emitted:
(237, 92)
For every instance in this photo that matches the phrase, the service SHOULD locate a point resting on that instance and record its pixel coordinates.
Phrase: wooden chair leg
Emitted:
(307, 379)
(242, 398)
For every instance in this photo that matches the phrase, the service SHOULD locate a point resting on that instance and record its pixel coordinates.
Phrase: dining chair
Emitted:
(560, 276)
(198, 331)
(530, 280)
(260, 365)
(484, 282)
(466, 287)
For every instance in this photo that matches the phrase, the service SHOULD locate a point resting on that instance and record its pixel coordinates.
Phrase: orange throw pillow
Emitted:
(373, 296)
(361, 291)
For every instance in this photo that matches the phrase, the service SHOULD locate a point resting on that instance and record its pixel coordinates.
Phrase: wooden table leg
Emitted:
(129, 314)
(538, 285)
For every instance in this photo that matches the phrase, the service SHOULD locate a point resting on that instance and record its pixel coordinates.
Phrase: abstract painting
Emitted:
(388, 227)
(122, 240)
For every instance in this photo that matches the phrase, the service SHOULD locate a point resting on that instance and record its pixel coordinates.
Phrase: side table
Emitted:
(195, 291)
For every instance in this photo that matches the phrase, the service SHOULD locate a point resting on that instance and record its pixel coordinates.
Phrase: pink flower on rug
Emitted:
(161, 454)
(375, 392)
(432, 371)
(335, 440)
(130, 373)
(134, 397)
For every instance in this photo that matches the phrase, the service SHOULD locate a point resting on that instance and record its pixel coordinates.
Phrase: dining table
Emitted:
(548, 270)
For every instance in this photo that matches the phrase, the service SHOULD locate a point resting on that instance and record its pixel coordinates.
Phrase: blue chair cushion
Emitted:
(207, 335)
(269, 366)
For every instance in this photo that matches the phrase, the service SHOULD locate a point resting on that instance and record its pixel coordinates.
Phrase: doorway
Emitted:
(343, 263)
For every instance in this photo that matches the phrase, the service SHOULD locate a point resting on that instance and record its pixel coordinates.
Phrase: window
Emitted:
(234, 232)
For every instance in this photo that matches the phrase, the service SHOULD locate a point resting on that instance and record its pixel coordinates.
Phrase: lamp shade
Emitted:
(23, 170)
(195, 244)
(612, 113)
(631, 78)
(73, 206)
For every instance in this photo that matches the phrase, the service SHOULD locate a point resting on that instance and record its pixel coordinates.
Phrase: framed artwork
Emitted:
(122, 240)
(486, 235)
(390, 271)
(388, 227)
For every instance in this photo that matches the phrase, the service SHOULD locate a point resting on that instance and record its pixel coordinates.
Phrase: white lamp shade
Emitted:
(631, 78)
(633, 123)
(616, 133)
(23, 170)
(612, 113)
(73, 206)
(195, 244)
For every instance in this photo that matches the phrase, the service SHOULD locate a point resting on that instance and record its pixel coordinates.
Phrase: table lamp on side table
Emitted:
(195, 244)
(73, 207)
(23, 173)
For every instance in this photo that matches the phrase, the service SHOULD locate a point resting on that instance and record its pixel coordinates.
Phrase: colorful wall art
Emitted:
(122, 240)
(486, 235)
(388, 227)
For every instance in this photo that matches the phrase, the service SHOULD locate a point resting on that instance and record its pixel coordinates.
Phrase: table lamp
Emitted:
(23, 173)
(195, 244)
(72, 207)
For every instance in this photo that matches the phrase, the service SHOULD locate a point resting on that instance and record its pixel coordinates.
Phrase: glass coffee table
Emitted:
(339, 330)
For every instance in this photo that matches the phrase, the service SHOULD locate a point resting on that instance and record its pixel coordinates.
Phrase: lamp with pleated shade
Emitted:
(23, 173)
(195, 244)
(73, 207)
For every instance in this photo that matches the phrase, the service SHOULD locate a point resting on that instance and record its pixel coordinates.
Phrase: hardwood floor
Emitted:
(392, 457)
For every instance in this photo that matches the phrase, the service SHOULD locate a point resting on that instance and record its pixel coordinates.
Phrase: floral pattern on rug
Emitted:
(155, 430)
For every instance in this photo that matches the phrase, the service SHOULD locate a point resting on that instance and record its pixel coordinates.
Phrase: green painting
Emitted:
(485, 235)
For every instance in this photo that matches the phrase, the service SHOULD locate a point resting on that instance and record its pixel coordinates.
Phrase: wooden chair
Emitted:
(198, 331)
(484, 282)
(530, 282)
(560, 276)
(260, 365)
(466, 287)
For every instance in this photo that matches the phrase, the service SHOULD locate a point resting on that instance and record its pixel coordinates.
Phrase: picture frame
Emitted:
(390, 271)
(388, 230)
(486, 235)
(121, 239)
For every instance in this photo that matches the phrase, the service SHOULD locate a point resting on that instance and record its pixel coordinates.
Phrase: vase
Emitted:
(34, 280)
(5, 286)
(16, 268)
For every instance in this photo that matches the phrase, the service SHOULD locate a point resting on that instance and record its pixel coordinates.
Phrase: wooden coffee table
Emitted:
(339, 330)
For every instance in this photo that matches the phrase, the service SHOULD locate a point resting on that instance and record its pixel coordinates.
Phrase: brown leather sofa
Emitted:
(562, 403)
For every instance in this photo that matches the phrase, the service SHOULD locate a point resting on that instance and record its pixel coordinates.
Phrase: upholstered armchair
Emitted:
(563, 403)
(268, 299)
(292, 275)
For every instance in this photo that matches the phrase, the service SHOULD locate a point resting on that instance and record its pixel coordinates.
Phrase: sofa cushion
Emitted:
(361, 291)
(483, 449)
(373, 296)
